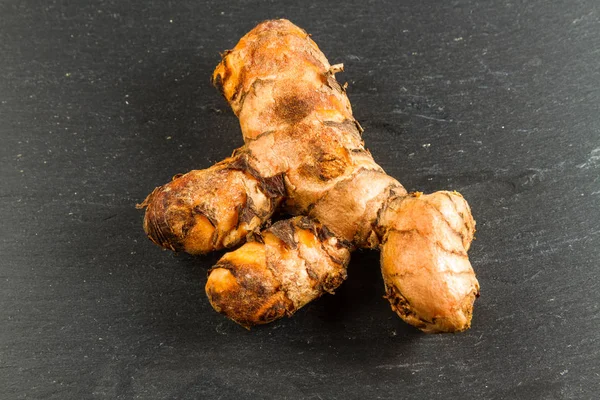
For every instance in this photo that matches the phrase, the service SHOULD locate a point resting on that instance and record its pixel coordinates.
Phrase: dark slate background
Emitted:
(101, 101)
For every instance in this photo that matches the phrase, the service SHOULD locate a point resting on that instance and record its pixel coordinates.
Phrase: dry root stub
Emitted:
(428, 278)
(210, 209)
(304, 153)
(292, 263)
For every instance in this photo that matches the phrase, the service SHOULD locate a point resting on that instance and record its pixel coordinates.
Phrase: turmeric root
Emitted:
(304, 152)
(207, 210)
(295, 262)
(428, 278)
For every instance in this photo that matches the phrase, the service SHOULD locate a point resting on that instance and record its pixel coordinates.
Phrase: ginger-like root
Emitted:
(428, 277)
(210, 209)
(296, 261)
(299, 130)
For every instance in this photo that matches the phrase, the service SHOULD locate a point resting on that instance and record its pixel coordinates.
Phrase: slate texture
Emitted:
(101, 101)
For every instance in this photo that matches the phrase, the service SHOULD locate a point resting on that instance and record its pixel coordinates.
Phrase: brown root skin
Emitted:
(211, 209)
(297, 121)
(243, 288)
(429, 280)
(304, 151)
(298, 128)
(261, 282)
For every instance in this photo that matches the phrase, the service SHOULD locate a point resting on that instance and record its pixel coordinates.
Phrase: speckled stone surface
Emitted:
(101, 101)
